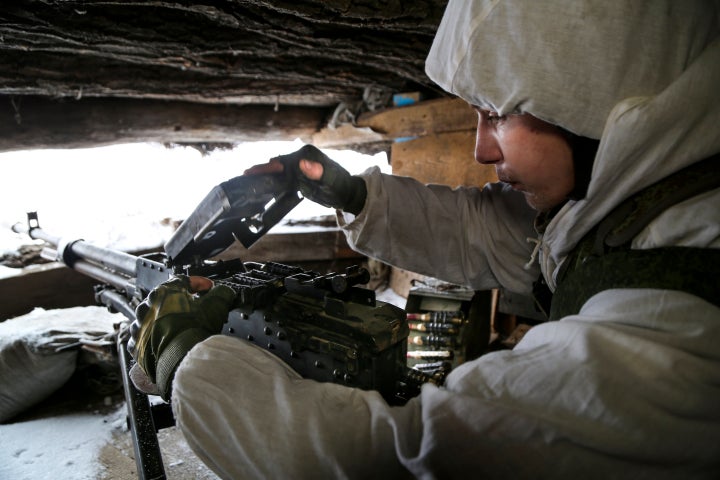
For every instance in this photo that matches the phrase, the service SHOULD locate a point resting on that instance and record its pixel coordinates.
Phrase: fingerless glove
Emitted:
(170, 322)
(336, 188)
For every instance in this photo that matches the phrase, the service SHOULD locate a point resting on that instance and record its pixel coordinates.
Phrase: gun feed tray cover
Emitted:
(242, 208)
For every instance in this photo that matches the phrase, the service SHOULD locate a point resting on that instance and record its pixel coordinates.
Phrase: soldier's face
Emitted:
(531, 155)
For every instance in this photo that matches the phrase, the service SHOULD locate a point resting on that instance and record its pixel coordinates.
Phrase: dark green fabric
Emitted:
(692, 270)
(172, 354)
(628, 219)
(604, 259)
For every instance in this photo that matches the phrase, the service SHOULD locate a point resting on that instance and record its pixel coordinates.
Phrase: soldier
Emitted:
(581, 105)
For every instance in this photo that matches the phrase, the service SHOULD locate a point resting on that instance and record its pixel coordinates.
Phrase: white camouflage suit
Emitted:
(627, 388)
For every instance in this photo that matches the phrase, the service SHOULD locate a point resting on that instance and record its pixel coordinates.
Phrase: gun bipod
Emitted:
(141, 423)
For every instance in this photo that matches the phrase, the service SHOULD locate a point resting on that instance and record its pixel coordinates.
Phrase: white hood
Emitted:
(644, 77)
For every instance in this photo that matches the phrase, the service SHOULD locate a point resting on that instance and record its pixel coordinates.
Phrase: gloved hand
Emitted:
(330, 185)
(170, 321)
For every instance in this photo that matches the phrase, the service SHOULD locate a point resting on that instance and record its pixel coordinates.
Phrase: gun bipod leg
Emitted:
(148, 457)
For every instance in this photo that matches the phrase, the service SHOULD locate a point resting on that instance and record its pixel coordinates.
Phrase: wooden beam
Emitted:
(34, 122)
(444, 158)
(349, 135)
(51, 285)
(375, 131)
(423, 118)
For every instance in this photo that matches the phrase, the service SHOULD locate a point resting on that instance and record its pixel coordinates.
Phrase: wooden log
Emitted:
(217, 51)
(41, 123)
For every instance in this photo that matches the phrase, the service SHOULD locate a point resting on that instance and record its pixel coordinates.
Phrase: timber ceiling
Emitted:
(78, 73)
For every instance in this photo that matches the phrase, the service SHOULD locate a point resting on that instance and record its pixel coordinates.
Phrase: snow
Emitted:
(66, 446)
(118, 196)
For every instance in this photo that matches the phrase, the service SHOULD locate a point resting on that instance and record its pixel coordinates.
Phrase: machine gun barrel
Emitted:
(110, 267)
(118, 261)
(103, 275)
(70, 251)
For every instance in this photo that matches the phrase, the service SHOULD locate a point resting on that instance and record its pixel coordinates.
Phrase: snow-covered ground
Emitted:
(67, 446)
(67, 443)
(118, 196)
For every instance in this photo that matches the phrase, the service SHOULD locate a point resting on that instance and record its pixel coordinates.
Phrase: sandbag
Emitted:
(39, 352)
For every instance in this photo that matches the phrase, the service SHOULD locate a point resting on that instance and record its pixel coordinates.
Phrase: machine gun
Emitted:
(325, 326)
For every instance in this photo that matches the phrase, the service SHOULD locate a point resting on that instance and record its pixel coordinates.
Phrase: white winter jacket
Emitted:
(627, 388)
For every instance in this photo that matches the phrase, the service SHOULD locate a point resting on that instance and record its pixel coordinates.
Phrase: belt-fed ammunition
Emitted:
(433, 327)
(433, 340)
(452, 317)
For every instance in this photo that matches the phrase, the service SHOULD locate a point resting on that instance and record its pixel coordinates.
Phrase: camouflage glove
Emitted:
(336, 188)
(169, 322)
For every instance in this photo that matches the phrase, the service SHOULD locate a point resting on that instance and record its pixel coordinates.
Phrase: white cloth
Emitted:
(424, 229)
(627, 388)
(568, 63)
(247, 415)
(640, 76)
